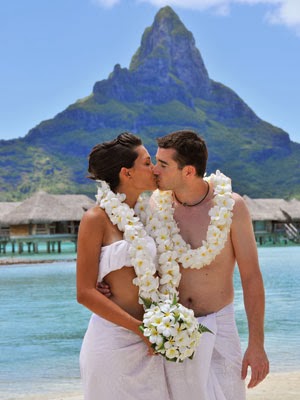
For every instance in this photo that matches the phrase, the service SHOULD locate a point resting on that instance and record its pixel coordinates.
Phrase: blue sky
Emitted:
(52, 52)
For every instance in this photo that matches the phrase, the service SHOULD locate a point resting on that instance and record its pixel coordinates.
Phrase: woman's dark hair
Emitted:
(190, 149)
(106, 159)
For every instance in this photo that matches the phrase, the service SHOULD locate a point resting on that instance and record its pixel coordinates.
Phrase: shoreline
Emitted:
(41, 258)
(277, 386)
(18, 260)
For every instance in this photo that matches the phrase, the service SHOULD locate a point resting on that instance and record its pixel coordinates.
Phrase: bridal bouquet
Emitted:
(172, 328)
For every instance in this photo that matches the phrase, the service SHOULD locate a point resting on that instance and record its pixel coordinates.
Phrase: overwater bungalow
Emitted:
(53, 219)
(6, 208)
(44, 217)
(275, 221)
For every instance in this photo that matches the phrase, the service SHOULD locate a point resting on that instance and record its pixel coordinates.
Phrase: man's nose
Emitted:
(154, 169)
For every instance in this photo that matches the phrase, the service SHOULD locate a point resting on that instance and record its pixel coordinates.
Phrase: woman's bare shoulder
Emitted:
(95, 216)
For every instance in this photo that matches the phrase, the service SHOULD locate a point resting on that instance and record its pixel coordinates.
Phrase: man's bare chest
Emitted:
(193, 224)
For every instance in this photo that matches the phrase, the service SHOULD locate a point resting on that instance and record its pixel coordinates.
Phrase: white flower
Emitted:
(224, 200)
(157, 318)
(148, 282)
(153, 226)
(162, 235)
(172, 353)
(182, 339)
(186, 353)
(166, 328)
(130, 233)
(153, 336)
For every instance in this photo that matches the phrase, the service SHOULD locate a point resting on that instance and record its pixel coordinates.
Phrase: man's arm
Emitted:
(244, 244)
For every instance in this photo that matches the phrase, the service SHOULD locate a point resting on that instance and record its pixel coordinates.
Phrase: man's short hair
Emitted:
(190, 149)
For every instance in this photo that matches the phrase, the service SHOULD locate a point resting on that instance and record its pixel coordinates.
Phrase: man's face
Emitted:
(168, 175)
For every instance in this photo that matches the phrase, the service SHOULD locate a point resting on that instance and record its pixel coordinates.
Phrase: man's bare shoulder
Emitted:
(238, 200)
(240, 209)
(237, 197)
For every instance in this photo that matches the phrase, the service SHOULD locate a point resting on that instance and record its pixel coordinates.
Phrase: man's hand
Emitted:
(258, 361)
(104, 288)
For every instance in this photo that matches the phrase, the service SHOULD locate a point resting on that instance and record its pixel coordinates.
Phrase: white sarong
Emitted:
(215, 371)
(114, 365)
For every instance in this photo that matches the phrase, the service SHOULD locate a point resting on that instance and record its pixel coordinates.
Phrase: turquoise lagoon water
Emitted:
(41, 324)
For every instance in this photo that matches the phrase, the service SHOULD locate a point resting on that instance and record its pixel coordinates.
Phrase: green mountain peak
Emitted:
(168, 53)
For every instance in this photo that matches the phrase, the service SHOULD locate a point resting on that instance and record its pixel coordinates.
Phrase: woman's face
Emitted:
(142, 171)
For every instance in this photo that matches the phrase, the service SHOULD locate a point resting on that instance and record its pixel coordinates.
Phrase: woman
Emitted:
(115, 358)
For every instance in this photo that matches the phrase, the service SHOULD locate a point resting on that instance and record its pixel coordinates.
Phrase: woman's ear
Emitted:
(125, 172)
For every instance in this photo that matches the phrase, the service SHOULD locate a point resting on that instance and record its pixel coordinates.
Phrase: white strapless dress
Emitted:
(114, 363)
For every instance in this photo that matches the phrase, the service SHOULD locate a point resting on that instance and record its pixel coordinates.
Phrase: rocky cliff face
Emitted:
(166, 66)
(168, 56)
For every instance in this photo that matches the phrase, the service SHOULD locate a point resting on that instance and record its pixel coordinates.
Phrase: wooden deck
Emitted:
(30, 243)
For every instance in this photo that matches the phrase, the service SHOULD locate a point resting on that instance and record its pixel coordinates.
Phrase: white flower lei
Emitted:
(172, 249)
(122, 215)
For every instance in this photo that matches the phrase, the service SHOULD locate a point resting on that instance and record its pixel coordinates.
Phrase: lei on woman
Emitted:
(123, 216)
(171, 328)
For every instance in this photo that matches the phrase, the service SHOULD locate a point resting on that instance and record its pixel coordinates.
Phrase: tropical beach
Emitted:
(200, 65)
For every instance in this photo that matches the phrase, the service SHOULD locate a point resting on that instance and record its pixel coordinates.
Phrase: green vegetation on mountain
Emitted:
(166, 88)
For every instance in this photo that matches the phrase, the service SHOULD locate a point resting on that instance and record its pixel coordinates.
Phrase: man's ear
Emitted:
(189, 170)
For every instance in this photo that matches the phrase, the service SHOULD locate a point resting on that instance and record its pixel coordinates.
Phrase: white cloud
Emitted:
(284, 12)
(288, 13)
(106, 3)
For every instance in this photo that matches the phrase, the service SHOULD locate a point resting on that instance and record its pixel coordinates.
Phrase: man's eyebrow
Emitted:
(161, 161)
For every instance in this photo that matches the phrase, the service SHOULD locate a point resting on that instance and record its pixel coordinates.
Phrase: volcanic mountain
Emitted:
(166, 87)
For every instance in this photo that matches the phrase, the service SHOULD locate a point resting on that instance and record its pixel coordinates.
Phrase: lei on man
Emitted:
(171, 328)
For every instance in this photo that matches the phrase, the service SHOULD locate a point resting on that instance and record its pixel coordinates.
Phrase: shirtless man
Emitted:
(181, 162)
(218, 370)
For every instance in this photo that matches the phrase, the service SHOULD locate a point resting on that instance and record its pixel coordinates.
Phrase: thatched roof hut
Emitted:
(265, 209)
(273, 209)
(43, 207)
(7, 207)
(292, 208)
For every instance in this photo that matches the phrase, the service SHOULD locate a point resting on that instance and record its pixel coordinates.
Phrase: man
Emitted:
(217, 371)
(181, 162)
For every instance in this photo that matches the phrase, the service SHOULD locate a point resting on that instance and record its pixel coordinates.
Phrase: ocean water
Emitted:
(41, 324)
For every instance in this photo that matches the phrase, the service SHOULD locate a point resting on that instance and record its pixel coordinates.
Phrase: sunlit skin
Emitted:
(96, 231)
(211, 288)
